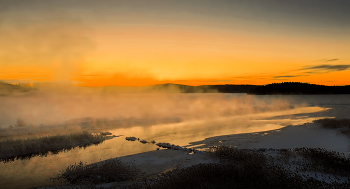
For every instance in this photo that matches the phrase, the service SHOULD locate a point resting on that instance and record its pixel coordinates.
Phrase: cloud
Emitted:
(330, 60)
(326, 60)
(286, 76)
(327, 68)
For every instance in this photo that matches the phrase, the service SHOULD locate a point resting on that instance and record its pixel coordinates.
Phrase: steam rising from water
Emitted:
(178, 118)
(63, 109)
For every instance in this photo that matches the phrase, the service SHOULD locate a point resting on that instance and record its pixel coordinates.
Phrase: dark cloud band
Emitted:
(327, 67)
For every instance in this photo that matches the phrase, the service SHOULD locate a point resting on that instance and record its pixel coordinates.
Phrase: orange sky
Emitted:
(136, 44)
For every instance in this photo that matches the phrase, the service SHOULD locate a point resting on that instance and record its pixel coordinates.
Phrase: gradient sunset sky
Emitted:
(192, 42)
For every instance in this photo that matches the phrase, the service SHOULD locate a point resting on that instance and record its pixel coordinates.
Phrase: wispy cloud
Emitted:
(286, 76)
(326, 60)
(327, 68)
(331, 60)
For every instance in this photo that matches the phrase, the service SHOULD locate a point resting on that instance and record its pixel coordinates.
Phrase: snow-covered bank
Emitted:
(310, 135)
(297, 144)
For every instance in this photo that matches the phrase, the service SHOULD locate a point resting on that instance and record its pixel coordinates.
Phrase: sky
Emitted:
(191, 42)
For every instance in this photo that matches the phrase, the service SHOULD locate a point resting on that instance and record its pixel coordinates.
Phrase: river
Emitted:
(197, 116)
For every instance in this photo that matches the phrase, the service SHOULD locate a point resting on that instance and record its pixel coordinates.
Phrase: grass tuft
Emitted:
(334, 123)
(108, 171)
(245, 156)
(342, 124)
(259, 168)
(328, 161)
(11, 148)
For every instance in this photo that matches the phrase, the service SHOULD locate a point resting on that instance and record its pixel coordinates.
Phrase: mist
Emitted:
(67, 108)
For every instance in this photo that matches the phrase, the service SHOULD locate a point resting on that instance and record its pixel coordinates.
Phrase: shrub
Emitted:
(329, 161)
(343, 124)
(109, 171)
(241, 169)
(245, 156)
(334, 123)
(229, 175)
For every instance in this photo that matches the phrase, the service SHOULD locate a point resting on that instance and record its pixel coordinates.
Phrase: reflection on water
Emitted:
(189, 131)
(213, 120)
(36, 171)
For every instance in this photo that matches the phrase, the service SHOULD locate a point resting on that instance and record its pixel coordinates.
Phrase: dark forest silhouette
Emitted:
(287, 88)
(208, 88)
(284, 88)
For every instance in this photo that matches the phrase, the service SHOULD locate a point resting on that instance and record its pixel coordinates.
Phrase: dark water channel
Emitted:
(37, 170)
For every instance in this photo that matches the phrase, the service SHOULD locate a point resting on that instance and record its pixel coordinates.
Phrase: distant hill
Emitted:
(289, 88)
(170, 87)
(232, 88)
(270, 89)
(8, 89)
(205, 88)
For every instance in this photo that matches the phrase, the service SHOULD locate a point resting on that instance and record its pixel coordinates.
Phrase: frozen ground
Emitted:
(310, 135)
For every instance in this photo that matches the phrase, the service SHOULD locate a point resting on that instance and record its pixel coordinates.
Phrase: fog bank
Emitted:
(59, 107)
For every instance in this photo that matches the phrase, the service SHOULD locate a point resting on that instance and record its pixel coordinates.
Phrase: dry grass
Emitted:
(109, 171)
(261, 168)
(334, 123)
(326, 161)
(11, 148)
(342, 124)
(238, 155)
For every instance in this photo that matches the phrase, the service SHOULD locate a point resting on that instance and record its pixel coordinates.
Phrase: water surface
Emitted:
(198, 116)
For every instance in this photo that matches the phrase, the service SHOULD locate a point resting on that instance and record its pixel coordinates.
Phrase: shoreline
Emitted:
(310, 135)
(154, 163)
